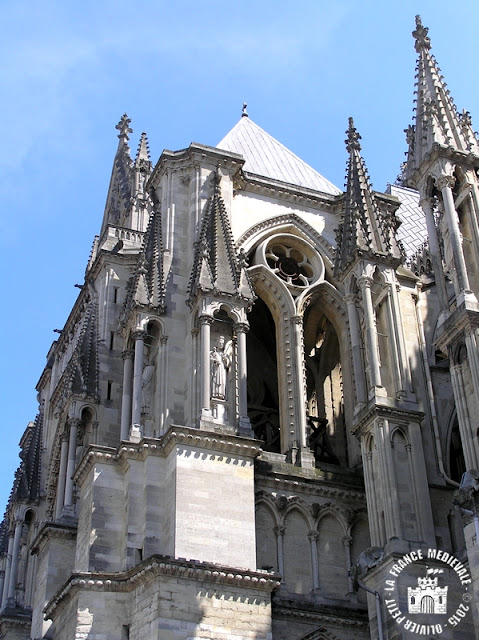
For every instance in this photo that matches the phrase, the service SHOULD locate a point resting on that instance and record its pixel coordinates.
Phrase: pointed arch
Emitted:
(298, 570)
(266, 525)
(328, 362)
(288, 223)
(272, 398)
(303, 508)
(335, 511)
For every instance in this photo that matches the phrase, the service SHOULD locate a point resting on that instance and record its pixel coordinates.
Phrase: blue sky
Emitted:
(181, 70)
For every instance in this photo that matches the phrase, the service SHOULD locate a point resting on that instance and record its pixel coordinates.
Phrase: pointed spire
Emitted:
(81, 375)
(143, 153)
(117, 204)
(364, 228)
(436, 119)
(147, 288)
(217, 266)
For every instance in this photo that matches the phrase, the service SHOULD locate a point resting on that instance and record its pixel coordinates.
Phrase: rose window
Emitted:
(292, 259)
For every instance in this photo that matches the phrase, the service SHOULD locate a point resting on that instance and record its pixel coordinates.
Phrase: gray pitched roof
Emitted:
(267, 157)
(412, 231)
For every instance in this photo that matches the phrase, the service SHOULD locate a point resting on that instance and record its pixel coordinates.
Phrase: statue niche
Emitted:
(220, 358)
(222, 369)
(148, 377)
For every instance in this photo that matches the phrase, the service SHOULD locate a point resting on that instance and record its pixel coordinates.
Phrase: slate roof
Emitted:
(412, 231)
(267, 157)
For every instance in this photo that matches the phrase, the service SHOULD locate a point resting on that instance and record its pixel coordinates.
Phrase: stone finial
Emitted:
(124, 128)
(244, 113)
(420, 35)
(143, 152)
(352, 141)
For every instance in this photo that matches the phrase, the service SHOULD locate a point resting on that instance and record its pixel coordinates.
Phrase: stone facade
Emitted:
(261, 407)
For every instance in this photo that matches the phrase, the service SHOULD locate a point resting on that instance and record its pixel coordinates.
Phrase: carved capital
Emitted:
(346, 540)
(204, 319)
(298, 320)
(163, 340)
(313, 536)
(128, 354)
(279, 531)
(138, 335)
(74, 422)
(241, 327)
(426, 204)
(365, 282)
(350, 298)
(445, 181)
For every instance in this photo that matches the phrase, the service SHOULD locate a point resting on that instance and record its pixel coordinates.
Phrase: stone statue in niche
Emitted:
(220, 358)
(318, 440)
(146, 387)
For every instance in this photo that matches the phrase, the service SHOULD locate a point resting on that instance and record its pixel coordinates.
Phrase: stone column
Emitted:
(162, 387)
(472, 349)
(205, 336)
(72, 446)
(300, 383)
(139, 337)
(2, 583)
(62, 476)
(313, 541)
(420, 487)
(241, 330)
(371, 334)
(347, 551)
(445, 184)
(371, 497)
(8, 569)
(12, 583)
(463, 418)
(126, 401)
(279, 531)
(427, 206)
(355, 334)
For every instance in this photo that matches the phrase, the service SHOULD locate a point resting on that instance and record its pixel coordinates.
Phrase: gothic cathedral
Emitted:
(261, 418)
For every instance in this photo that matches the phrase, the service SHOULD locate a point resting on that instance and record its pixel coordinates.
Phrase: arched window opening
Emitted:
(457, 463)
(381, 302)
(150, 357)
(263, 399)
(465, 212)
(324, 386)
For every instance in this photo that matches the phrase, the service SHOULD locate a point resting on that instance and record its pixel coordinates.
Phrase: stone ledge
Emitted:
(232, 444)
(53, 530)
(157, 565)
(320, 613)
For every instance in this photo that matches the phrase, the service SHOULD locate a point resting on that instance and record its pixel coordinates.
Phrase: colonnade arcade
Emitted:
(287, 527)
(18, 569)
